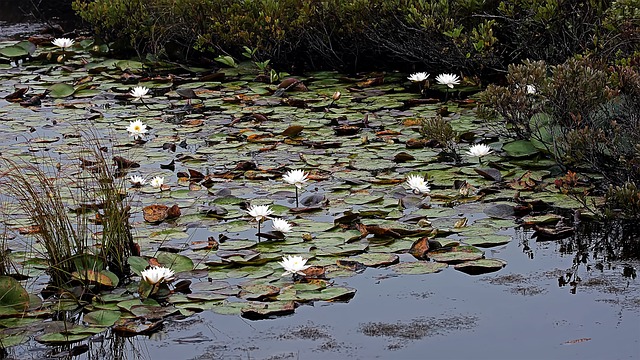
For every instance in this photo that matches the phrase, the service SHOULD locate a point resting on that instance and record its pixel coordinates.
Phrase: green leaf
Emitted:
(102, 317)
(418, 267)
(175, 262)
(61, 90)
(520, 148)
(13, 52)
(12, 294)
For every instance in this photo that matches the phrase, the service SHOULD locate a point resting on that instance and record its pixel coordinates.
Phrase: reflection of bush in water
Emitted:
(613, 240)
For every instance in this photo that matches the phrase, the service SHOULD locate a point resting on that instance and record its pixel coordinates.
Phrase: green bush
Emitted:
(585, 114)
(471, 35)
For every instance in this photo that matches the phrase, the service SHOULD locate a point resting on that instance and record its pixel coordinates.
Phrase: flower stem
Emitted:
(258, 234)
(296, 196)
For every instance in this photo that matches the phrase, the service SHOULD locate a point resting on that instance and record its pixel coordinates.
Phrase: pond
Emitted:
(379, 293)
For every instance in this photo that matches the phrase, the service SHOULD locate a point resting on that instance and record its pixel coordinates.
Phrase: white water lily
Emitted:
(448, 79)
(63, 42)
(281, 225)
(295, 177)
(293, 265)
(260, 212)
(157, 274)
(137, 180)
(417, 184)
(157, 182)
(418, 77)
(136, 128)
(139, 92)
(479, 150)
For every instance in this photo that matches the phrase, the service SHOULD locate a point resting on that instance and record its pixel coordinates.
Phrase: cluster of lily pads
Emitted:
(379, 190)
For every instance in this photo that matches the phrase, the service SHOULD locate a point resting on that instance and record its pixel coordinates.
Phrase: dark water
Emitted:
(520, 312)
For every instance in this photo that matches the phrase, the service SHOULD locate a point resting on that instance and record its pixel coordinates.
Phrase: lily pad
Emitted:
(12, 294)
(102, 317)
(481, 266)
(418, 267)
(457, 254)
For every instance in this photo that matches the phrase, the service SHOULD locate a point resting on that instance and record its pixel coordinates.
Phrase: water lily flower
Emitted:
(336, 96)
(448, 79)
(137, 180)
(260, 213)
(157, 182)
(158, 274)
(297, 178)
(139, 92)
(479, 150)
(137, 128)
(293, 265)
(281, 225)
(418, 77)
(63, 42)
(417, 184)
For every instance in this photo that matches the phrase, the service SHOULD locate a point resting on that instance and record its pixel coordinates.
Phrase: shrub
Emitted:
(584, 114)
(477, 36)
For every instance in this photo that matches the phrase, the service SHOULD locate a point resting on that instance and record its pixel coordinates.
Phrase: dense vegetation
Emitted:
(576, 95)
(473, 36)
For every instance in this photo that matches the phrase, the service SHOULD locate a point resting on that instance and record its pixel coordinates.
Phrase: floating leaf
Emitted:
(61, 90)
(12, 294)
(175, 262)
(481, 266)
(257, 310)
(418, 267)
(520, 148)
(102, 317)
(457, 254)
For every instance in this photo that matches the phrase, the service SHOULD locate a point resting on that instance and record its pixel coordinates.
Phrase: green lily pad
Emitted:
(456, 254)
(487, 240)
(102, 317)
(175, 262)
(12, 294)
(418, 267)
(481, 266)
(61, 90)
(520, 148)
(257, 310)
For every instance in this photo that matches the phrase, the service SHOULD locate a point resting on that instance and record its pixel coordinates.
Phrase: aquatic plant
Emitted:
(294, 265)
(260, 213)
(296, 178)
(417, 184)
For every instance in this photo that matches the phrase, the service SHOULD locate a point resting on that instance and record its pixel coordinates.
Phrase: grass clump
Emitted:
(46, 196)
